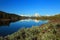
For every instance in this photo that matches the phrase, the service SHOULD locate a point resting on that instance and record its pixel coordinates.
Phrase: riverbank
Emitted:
(47, 31)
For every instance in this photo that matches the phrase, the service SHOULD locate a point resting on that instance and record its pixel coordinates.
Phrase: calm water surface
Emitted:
(15, 26)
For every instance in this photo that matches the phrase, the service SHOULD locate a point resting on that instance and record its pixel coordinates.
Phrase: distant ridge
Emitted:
(5, 15)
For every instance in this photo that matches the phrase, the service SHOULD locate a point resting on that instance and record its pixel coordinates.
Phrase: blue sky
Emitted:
(30, 7)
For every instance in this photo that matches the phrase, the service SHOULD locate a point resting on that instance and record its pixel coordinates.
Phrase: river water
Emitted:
(7, 28)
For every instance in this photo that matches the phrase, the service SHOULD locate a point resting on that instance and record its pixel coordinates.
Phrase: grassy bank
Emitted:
(47, 31)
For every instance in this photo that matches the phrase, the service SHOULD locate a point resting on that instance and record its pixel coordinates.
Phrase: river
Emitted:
(7, 28)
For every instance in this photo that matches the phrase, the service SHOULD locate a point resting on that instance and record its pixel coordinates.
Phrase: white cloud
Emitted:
(47, 15)
(36, 14)
(22, 15)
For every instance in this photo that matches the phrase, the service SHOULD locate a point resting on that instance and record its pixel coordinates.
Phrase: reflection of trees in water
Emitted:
(6, 23)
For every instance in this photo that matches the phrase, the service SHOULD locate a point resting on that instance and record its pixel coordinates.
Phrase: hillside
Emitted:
(8, 16)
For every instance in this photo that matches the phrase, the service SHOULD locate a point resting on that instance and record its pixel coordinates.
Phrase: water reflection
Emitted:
(6, 23)
(9, 27)
(35, 20)
(30, 20)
